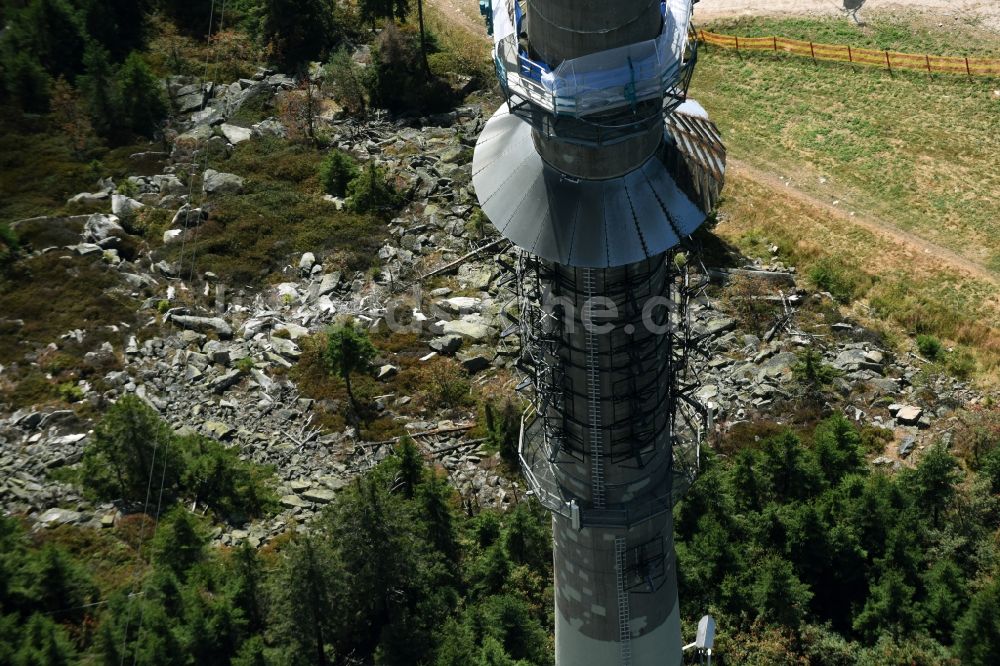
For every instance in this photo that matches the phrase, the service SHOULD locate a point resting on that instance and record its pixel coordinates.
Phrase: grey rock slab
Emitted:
(123, 206)
(88, 198)
(56, 516)
(217, 182)
(387, 371)
(319, 495)
(909, 414)
(286, 348)
(328, 284)
(307, 261)
(294, 502)
(471, 327)
(207, 116)
(225, 381)
(446, 344)
(217, 324)
(100, 227)
(778, 366)
(219, 430)
(234, 133)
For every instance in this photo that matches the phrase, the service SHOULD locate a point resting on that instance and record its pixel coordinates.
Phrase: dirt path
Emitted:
(461, 13)
(461, 17)
(911, 241)
(988, 11)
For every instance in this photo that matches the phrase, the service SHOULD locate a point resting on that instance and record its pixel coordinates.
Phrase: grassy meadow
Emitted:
(910, 151)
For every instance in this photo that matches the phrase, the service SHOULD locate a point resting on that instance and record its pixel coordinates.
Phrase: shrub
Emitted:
(143, 107)
(347, 81)
(371, 192)
(215, 476)
(336, 171)
(503, 429)
(70, 392)
(133, 451)
(961, 364)
(131, 445)
(399, 82)
(348, 350)
(929, 346)
(811, 370)
(10, 246)
(833, 277)
(27, 83)
(301, 30)
(746, 297)
(244, 365)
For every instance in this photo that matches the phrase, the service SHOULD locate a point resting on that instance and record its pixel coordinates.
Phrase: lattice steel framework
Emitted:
(659, 382)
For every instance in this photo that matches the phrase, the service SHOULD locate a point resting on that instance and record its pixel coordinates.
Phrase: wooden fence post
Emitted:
(812, 50)
(775, 40)
(850, 58)
(887, 63)
(968, 70)
(928, 59)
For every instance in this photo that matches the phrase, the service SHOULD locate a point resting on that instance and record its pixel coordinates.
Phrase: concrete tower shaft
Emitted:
(560, 30)
(616, 590)
(588, 174)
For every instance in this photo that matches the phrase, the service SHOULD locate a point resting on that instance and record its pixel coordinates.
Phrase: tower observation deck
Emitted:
(598, 168)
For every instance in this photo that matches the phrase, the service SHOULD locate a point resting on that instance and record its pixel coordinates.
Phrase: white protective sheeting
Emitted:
(506, 19)
(599, 81)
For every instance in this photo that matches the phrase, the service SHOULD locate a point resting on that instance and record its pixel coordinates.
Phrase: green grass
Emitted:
(281, 213)
(916, 152)
(39, 171)
(903, 32)
(891, 290)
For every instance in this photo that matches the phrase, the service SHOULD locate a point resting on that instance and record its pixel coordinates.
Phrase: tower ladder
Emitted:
(624, 613)
(594, 402)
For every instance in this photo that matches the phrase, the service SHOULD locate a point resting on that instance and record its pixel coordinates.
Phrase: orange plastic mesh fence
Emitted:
(842, 53)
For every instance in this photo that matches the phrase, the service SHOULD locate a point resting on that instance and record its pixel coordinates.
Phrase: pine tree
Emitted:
(434, 498)
(301, 30)
(59, 584)
(27, 83)
(935, 479)
(97, 85)
(179, 543)
(837, 446)
(977, 633)
(946, 598)
(43, 643)
(141, 98)
(131, 452)
(303, 607)
(348, 351)
(778, 595)
(120, 26)
(890, 608)
(50, 31)
(411, 467)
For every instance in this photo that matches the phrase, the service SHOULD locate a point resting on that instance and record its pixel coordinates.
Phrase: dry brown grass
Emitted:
(901, 290)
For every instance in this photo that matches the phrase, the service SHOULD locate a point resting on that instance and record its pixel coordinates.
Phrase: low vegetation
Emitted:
(393, 572)
(134, 452)
(760, 533)
(907, 150)
(279, 214)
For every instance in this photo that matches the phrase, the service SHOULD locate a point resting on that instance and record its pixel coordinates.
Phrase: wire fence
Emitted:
(890, 60)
